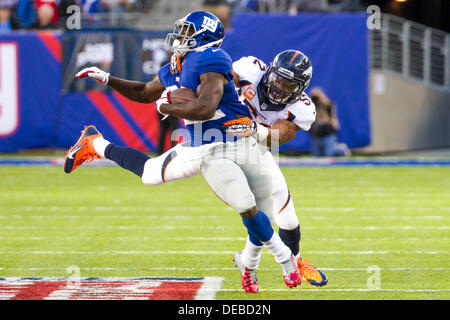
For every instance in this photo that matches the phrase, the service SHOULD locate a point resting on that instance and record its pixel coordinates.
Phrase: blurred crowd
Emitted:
(51, 14)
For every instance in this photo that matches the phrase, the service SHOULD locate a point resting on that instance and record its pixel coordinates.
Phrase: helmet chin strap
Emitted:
(185, 50)
(208, 45)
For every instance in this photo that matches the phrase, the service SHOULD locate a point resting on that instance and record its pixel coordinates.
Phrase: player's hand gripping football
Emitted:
(95, 73)
(165, 99)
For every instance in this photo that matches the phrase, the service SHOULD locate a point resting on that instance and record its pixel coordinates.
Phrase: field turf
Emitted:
(106, 222)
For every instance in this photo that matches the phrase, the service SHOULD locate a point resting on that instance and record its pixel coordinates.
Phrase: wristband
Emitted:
(262, 132)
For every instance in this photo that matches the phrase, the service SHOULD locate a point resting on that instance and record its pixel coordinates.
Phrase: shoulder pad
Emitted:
(249, 69)
(303, 111)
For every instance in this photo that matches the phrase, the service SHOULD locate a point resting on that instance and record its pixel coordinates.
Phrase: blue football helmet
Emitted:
(196, 31)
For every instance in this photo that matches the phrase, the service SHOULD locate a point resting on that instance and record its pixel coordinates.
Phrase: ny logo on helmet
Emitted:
(210, 24)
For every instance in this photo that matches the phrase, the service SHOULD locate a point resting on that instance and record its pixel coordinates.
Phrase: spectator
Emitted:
(308, 6)
(52, 4)
(26, 13)
(118, 6)
(220, 8)
(7, 21)
(90, 6)
(168, 125)
(250, 6)
(45, 17)
(324, 130)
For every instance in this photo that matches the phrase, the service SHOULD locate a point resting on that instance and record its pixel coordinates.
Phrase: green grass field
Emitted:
(108, 223)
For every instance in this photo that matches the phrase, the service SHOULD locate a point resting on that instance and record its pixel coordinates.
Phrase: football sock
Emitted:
(251, 254)
(100, 145)
(128, 158)
(280, 251)
(259, 228)
(291, 238)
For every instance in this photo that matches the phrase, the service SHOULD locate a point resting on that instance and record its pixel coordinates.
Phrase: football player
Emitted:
(276, 99)
(231, 161)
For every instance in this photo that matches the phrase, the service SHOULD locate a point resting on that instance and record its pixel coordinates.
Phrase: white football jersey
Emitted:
(250, 71)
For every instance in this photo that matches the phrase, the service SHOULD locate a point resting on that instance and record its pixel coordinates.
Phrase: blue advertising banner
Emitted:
(30, 81)
(337, 45)
(43, 106)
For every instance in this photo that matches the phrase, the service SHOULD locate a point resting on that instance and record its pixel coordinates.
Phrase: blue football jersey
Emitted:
(194, 65)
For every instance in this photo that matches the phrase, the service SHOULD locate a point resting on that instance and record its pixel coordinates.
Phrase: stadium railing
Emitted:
(413, 50)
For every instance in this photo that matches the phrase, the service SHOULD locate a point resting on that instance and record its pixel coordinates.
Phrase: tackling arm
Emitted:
(286, 131)
(209, 94)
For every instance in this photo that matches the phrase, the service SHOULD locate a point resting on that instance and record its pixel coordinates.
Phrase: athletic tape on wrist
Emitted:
(262, 132)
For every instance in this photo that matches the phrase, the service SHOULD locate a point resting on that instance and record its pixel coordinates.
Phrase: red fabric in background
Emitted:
(53, 4)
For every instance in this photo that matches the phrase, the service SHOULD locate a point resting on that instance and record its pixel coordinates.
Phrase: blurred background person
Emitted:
(46, 13)
(324, 130)
(221, 8)
(307, 6)
(90, 6)
(117, 6)
(48, 4)
(7, 20)
(166, 126)
(26, 13)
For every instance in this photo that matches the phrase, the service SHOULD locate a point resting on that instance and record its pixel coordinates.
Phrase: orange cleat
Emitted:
(311, 274)
(83, 151)
(291, 274)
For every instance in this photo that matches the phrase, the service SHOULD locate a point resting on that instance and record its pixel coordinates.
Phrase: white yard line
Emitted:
(314, 217)
(50, 237)
(209, 288)
(193, 208)
(313, 290)
(216, 252)
(210, 269)
(222, 227)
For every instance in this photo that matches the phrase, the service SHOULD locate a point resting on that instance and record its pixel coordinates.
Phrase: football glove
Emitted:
(164, 99)
(245, 127)
(95, 73)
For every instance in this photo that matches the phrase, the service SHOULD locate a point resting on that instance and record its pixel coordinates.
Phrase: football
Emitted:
(182, 95)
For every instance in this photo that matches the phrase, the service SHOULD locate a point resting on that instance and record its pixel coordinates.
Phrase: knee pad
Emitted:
(240, 201)
(152, 172)
(287, 218)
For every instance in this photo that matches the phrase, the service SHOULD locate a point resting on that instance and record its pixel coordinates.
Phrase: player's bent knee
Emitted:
(250, 213)
(242, 204)
(152, 173)
(287, 219)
